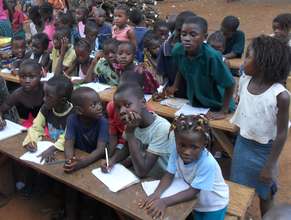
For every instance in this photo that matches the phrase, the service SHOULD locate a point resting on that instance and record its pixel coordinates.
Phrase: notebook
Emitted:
(119, 177)
(98, 87)
(175, 103)
(10, 130)
(178, 185)
(190, 110)
(33, 157)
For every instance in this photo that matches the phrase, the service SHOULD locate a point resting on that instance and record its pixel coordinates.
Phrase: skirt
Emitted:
(249, 158)
(5, 28)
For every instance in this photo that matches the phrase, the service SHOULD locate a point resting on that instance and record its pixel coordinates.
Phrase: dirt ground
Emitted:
(255, 17)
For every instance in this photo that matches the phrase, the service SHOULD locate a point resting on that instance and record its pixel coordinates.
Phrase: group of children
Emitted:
(177, 53)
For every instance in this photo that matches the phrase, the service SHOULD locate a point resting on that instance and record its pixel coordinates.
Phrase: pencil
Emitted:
(106, 155)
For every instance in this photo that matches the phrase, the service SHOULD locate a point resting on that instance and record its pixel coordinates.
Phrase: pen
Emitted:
(106, 155)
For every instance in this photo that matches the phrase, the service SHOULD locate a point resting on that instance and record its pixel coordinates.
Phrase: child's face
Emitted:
(91, 34)
(83, 55)
(217, 46)
(249, 62)
(189, 145)
(124, 55)
(92, 106)
(192, 37)
(280, 32)
(80, 16)
(37, 47)
(163, 32)
(99, 17)
(120, 18)
(29, 78)
(154, 49)
(51, 98)
(110, 53)
(18, 48)
(57, 42)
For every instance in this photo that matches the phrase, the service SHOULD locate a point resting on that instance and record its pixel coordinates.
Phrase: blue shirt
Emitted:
(104, 33)
(86, 138)
(139, 34)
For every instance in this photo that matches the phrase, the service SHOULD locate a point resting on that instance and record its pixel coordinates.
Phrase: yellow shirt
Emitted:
(69, 58)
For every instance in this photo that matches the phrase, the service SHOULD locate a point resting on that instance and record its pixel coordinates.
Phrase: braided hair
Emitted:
(192, 123)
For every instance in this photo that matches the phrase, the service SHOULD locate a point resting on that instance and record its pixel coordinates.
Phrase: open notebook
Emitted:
(178, 185)
(33, 157)
(119, 177)
(98, 87)
(10, 130)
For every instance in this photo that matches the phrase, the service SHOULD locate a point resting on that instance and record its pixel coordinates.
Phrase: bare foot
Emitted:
(3, 200)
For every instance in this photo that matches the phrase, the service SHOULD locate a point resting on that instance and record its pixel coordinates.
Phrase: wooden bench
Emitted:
(126, 200)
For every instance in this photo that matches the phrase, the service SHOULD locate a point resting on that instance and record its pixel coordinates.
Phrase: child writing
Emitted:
(192, 162)
(81, 17)
(53, 114)
(146, 133)
(121, 31)
(209, 81)
(281, 27)
(262, 116)
(29, 97)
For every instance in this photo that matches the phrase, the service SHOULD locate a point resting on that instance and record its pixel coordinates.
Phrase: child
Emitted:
(46, 13)
(217, 41)
(5, 25)
(63, 54)
(194, 163)
(35, 21)
(105, 66)
(209, 81)
(104, 28)
(262, 116)
(39, 46)
(29, 97)
(125, 62)
(17, 19)
(91, 32)
(59, 5)
(137, 19)
(53, 114)
(81, 17)
(282, 26)
(121, 31)
(146, 133)
(234, 38)
(161, 29)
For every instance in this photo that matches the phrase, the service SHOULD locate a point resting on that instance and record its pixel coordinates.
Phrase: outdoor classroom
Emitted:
(143, 109)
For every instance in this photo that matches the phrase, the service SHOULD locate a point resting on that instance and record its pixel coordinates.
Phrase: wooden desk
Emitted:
(10, 77)
(235, 63)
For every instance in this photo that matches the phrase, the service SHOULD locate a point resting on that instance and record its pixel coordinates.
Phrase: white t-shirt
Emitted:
(256, 115)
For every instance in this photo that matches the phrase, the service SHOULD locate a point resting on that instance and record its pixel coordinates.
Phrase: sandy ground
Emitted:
(256, 18)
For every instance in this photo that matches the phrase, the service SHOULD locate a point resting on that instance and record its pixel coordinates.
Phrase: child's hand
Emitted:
(48, 155)
(2, 123)
(216, 115)
(170, 91)
(132, 120)
(148, 201)
(157, 209)
(73, 165)
(64, 46)
(104, 167)
(31, 147)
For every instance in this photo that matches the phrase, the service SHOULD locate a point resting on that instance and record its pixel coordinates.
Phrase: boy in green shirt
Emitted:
(209, 81)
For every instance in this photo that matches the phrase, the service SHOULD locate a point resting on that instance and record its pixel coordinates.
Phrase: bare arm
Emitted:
(132, 38)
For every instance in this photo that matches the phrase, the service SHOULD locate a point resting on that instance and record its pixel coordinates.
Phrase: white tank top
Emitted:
(256, 115)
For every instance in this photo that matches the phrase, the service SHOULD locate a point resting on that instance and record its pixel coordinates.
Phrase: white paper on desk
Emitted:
(178, 185)
(98, 87)
(6, 71)
(119, 177)
(175, 103)
(47, 77)
(76, 78)
(147, 97)
(10, 130)
(41, 147)
(190, 110)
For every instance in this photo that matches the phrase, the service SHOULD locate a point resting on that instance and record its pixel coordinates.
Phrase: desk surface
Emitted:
(125, 201)
(9, 77)
(165, 111)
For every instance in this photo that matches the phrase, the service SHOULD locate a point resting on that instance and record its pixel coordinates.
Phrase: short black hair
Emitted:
(182, 17)
(66, 18)
(136, 16)
(122, 7)
(63, 86)
(129, 44)
(284, 20)
(34, 14)
(131, 87)
(30, 63)
(160, 23)
(79, 95)
(17, 37)
(84, 9)
(216, 36)
(272, 58)
(43, 38)
(91, 25)
(149, 38)
(201, 22)
(46, 9)
(83, 43)
(132, 77)
(63, 32)
(230, 23)
(110, 41)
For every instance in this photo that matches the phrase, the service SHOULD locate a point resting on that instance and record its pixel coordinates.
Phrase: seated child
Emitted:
(46, 13)
(17, 18)
(91, 32)
(234, 38)
(147, 134)
(209, 81)
(281, 27)
(137, 19)
(35, 24)
(29, 97)
(105, 66)
(121, 31)
(161, 29)
(104, 28)
(125, 62)
(195, 164)
(39, 46)
(63, 54)
(53, 114)
(81, 17)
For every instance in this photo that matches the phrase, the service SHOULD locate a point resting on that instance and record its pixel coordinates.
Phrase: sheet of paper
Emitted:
(178, 185)
(175, 103)
(76, 78)
(119, 178)
(98, 87)
(147, 97)
(33, 157)
(47, 77)
(10, 130)
(6, 71)
(189, 110)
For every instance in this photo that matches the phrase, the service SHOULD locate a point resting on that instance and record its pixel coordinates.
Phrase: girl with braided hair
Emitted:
(191, 161)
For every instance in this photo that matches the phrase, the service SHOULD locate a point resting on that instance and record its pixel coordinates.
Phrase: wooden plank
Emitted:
(10, 77)
(235, 63)
(223, 141)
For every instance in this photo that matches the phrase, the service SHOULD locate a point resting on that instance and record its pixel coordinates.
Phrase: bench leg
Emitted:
(223, 140)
